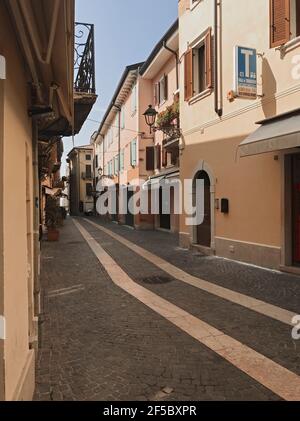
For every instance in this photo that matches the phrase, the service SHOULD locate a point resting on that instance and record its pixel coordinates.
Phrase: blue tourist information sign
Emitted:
(245, 72)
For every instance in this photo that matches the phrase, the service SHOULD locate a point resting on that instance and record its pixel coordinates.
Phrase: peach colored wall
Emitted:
(17, 138)
(169, 68)
(253, 185)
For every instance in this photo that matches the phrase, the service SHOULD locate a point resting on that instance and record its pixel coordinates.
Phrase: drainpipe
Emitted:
(2, 319)
(177, 62)
(36, 220)
(119, 151)
(218, 107)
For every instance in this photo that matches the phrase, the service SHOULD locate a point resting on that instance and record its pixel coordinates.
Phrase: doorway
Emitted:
(129, 217)
(296, 209)
(164, 218)
(203, 231)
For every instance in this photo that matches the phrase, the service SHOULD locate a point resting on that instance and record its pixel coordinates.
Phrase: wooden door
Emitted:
(296, 208)
(204, 229)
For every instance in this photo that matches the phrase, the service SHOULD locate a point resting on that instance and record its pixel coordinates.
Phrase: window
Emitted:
(133, 153)
(122, 160)
(88, 189)
(123, 117)
(88, 171)
(284, 21)
(116, 165)
(88, 157)
(161, 91)
(295, 18)
(96, 161)
(198, 68)
(150, 158)
(133, 99)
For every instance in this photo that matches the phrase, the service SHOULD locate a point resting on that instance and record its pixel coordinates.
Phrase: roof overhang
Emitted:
(124, 87)
(45, 31)
(274, 134)
(161, 57)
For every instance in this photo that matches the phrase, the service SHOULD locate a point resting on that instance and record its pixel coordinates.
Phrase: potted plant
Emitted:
(168, 119)
(52, 218)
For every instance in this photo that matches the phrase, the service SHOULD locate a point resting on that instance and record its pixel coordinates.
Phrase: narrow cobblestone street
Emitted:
(98, 342)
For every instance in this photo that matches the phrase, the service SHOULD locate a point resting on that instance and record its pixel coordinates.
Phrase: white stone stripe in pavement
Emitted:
(259, 306)
(276, 378)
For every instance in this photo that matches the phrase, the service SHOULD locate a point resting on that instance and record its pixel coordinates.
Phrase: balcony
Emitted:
(58, 122)
(84, 72)
(86, 176)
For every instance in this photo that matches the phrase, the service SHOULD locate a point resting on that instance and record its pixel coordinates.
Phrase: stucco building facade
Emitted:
(81, 180)
(126, 150)
(37, 105)
(251, 183)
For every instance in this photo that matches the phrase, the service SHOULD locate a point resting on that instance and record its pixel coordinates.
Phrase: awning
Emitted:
(275, 134)
(152, 182)
(52, 192)
(155, 181)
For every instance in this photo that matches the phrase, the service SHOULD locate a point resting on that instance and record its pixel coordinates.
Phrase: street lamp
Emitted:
(150, 116)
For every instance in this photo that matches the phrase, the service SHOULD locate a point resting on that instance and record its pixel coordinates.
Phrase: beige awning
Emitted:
(275, 134)
(52, 192)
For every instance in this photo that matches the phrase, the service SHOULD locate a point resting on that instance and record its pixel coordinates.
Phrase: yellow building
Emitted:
(240, 127)
(81, 180)
(37, 103)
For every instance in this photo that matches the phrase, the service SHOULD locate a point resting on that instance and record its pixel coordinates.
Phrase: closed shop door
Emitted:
(296, 208)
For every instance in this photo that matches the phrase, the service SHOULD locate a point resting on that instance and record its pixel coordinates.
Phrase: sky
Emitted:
(125, 33)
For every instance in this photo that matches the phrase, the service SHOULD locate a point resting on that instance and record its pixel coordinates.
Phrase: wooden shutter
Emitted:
(150, 158)
(297, 18)
(158, 157)
(164, 157)
(166, 87)
(279, 22)
(208, 60)
(156, 94)
(188, 75)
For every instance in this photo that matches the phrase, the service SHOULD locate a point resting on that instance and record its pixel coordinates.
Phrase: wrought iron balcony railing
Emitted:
(84, 61)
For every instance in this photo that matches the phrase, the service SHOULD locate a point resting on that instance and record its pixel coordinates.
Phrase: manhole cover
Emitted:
(157, 280)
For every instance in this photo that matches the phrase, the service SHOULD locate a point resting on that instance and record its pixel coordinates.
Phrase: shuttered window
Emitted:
(208, 60)
(116, 164)
(150, 157)
(123, 117)
(198, 67)
(133, 99)
(158, 157)
(133, 153)
(164, 157)
(122, 160)
(156, 93)
(279, 22)
(88, 189)
(188, 75)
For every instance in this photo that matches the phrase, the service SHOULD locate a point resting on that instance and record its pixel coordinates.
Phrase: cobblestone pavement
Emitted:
(99, 343)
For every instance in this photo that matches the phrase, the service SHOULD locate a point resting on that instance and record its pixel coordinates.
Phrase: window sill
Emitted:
(289, 46)
(200, 96)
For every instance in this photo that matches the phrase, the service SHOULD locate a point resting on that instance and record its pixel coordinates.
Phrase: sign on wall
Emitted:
(245, 72)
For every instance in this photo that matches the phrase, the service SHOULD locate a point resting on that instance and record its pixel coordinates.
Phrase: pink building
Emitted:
(125, 149)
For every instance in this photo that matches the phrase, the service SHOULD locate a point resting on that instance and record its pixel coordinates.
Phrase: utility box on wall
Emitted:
(225, 206)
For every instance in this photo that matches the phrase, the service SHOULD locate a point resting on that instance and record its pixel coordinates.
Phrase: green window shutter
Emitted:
(133, 152)
(123, 118)
(116, 164)
(133, 99)
(122, 160)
